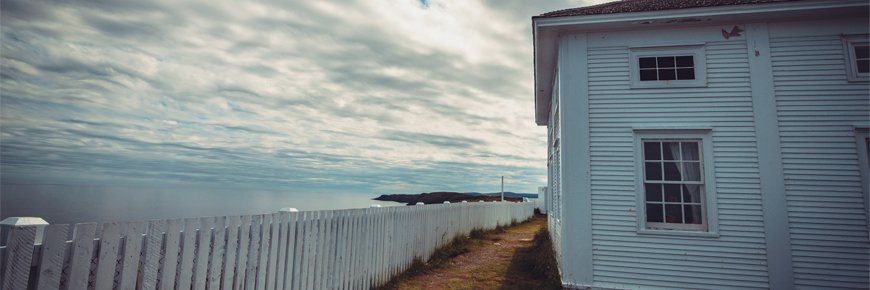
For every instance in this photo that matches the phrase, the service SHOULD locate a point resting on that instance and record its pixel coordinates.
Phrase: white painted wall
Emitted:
(816, 113)
(818, 110)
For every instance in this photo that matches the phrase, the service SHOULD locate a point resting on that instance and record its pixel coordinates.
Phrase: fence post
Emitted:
(19, 251)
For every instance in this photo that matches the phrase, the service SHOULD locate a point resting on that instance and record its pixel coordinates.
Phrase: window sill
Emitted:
(852, 79)
(668, 85)
(679, 233)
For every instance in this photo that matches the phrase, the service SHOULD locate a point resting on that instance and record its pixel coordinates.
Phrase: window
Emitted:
(857, 49)
(664, 68)
(668, 67)
(674, 180)
(673, 184)
(862, 136)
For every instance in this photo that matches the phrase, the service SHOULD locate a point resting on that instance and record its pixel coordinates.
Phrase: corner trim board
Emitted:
(771, 177)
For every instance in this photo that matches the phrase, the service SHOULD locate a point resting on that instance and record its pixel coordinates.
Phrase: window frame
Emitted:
(849, 43)
(862, 140)
(708, 195)
(695, 50)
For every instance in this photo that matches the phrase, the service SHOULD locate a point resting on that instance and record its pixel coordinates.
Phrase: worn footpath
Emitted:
(497, 261)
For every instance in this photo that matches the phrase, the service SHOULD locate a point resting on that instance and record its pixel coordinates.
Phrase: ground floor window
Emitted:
(673, 188)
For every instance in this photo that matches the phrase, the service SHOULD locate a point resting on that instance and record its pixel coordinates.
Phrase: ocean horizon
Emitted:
(70, 204)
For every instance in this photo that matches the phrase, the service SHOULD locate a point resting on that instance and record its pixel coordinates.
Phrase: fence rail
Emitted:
(334, 249)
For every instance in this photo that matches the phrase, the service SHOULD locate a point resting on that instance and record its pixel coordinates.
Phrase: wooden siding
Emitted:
(627, 260)
(554, 215)
(817, 110)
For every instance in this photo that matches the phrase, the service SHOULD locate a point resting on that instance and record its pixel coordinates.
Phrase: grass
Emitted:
(532, 266)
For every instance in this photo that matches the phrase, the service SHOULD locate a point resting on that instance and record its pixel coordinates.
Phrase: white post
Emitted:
(10, 222)
(502, 188)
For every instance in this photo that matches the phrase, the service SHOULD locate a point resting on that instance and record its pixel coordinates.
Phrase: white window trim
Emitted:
(696, 50)
(849, 42)
(861, 135)
(709, 195)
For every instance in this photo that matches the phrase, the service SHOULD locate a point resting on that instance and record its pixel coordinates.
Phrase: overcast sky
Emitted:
(382, 96)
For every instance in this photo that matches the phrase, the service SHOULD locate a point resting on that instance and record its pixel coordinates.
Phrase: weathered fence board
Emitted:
(80, 256)
(153, 243)
(203, 249)
(340, 249)
(229, 267)
(271, 274)
(52, 257)
(110, 238)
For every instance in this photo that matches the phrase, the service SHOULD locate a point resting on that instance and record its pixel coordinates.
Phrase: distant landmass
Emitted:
(453, 197)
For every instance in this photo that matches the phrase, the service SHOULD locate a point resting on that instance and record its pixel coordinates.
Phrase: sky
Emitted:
(383, 96)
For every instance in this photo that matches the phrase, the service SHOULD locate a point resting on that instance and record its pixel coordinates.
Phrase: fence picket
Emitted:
(108, 256)
(254, 252)
(188, 251)
(271, 275)
(203, 251)
(170, 254)
(265, 246)
(298, 256)
(322, 255)
(52, 258)
(218, 249)
(153, 244)
(292, 241)
(229, 267)
(242, 256)
(131, 255)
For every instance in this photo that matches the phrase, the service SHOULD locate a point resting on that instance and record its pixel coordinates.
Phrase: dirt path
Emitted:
(500, 261)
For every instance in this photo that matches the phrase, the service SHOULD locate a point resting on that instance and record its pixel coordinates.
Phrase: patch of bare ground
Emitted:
(498, 260)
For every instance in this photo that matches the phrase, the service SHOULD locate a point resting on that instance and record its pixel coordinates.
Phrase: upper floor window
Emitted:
(668, 67)
(857, 49)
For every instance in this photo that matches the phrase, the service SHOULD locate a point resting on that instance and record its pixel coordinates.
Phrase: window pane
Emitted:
(863, 66)
(671, 150)
(654, 213)
(647, 62)
(652, 151)
(673, 213)
(692, 193)
(666, 62)
(672, 171)
(667, 74)
(672, 192)
(653, 191)
(693, 214)
(862, 52)
(690, 151)
(685, 61)
(691, 171)
(648, 75)
(686, 74)
(653, 171)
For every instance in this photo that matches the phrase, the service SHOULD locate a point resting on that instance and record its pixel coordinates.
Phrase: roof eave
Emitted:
(546, 30)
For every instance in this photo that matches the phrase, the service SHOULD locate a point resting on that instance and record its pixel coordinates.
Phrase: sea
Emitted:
(65, 204)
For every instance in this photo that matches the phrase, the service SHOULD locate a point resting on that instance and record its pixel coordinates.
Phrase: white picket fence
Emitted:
(335, 249)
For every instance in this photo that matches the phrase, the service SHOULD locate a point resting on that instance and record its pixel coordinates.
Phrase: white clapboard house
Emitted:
(707, 144)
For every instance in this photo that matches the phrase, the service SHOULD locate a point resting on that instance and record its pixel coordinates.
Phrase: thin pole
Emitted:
(502, 188)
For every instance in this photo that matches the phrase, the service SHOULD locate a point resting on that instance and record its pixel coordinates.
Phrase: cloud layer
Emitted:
(348, 96)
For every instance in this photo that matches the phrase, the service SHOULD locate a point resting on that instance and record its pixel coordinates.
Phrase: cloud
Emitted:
(357, 96)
